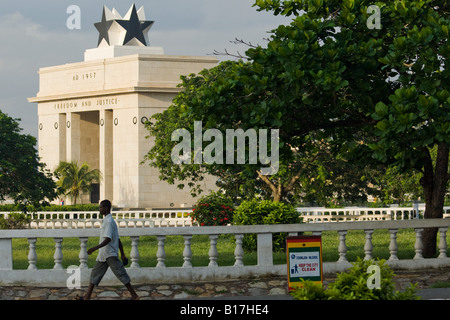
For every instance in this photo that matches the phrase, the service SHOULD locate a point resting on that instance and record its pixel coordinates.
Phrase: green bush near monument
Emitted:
(15, 220)
(214, 209)
(256, 212)
(353, 285)
(53, 207)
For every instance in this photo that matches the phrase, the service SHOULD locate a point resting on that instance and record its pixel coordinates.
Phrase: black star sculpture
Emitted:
(103, 28)
(135, 28)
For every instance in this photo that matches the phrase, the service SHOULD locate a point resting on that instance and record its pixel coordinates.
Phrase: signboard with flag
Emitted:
(304, 259)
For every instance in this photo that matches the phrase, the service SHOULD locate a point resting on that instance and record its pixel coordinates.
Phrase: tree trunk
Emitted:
(279, 190)
(434, 183)
(276, 189)
(276, 197)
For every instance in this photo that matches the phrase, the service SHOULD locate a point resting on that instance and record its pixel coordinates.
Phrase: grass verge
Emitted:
(174, 246)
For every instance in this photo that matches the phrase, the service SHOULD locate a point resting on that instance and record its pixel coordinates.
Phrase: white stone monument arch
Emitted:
(94, 110)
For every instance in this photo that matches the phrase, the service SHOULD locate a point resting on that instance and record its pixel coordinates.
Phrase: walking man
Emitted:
(108, 248)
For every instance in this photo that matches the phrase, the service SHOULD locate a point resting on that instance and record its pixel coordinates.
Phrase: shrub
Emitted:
(15, 221)
(214, 209)
(352, 285)
(76, 207)
(7, 207)
(256, 212)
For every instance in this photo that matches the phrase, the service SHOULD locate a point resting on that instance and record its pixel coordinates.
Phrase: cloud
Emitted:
(26, 47)
(19, 34)
(218, 23)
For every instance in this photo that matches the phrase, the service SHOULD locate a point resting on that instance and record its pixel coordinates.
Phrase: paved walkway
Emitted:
(271, 289)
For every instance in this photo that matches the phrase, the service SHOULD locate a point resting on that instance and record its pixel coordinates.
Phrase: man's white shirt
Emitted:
(108, 230)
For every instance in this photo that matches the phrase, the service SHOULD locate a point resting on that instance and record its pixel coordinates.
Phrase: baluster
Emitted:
(388, 215)
(187, 253)
(58, 256)
(418, 247)
(368, 246)
(161, 253)
(83, 253)
(213, 253)
(393, 247)
(239, 251)
(342, 246)
(134, 254)
(443, 243)
(32, 256)
(264, 249)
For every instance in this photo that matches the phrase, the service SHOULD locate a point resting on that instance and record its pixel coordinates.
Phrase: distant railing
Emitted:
(181, 218)
(93, 219)
(315, 215)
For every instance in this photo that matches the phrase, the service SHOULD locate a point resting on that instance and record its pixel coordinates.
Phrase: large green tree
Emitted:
(377, 91)
(395, 74)
(304, 174)
(330, 70)
(22, 176)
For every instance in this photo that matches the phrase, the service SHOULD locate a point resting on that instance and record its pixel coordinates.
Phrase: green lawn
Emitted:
(174, 246)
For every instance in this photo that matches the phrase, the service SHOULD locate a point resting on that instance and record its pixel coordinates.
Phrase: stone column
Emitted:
(61, 126)
(73, 136)
(106, 154)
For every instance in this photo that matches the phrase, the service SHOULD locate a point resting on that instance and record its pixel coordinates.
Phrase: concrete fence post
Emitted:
(264, 249)
(6, 254)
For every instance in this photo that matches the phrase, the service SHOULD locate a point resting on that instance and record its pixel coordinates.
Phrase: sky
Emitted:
(34, 34)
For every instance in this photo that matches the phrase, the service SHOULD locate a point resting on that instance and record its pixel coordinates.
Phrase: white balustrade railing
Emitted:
(314, 215)
(180, 217)
(265, 266)
(93, 219)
